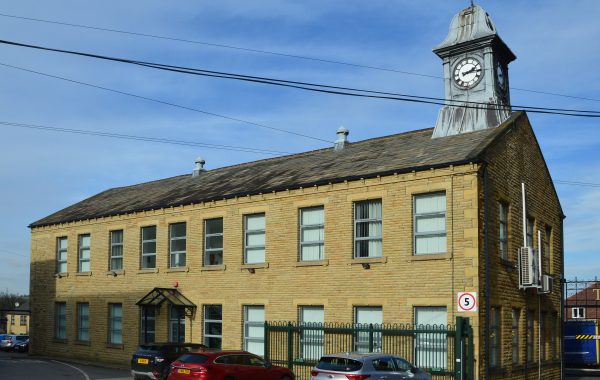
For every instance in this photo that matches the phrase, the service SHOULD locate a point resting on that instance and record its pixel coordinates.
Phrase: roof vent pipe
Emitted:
(342, 139)
(199, 167)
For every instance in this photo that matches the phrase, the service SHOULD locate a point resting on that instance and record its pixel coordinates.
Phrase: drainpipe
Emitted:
(562, 296)
(486, 250)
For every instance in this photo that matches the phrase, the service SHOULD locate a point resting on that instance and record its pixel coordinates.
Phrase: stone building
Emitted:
(386, 230)
(17, 319)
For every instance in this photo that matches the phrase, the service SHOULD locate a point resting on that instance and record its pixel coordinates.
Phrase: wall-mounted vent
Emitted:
(199, 167)
(342, 139)
(528, 268)
(547, 284)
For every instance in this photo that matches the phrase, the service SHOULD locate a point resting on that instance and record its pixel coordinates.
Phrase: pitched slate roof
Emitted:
(397, 153)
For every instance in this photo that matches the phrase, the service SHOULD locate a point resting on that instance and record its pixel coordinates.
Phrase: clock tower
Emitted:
(475, 75)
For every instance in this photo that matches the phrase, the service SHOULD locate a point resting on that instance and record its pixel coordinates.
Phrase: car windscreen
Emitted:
(22, 338)
(339, 364)
(193, 358)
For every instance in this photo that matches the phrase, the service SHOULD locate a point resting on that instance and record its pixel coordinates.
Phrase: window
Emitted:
(503, 233)
(148, 316)
(364, 317)
(254, 238)
(83, 322)
(213, 326)
(530, 224)
(60, 320)
(116, 250)
(384, 364)
(61, 254)
(254, 329)
(516, 316)
(542, 328)
(577, 312)
(367, 229)
(84, 253)
(312, 233)
(311, 338)
(148, 247)
(547, 252)
(115, 323)
(177, 245)
(176, 324)
(555, 343)
(213, 241)
(495, 342)
(530, 332)
(23, 320)
(12, 319)
(430, 223)
(431, 348)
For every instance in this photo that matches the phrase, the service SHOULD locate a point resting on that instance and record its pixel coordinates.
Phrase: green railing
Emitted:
(443, 350)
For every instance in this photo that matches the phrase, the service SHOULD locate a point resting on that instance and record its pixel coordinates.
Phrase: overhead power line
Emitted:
(163, 102)
(335, 90)
(575, 183)
(145, 138)
(260, 51)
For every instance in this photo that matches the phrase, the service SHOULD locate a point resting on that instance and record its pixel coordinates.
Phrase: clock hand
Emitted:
(468, 71)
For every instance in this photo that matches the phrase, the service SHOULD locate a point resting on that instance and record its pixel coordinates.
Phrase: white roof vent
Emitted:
(342, 139)
(199, 167)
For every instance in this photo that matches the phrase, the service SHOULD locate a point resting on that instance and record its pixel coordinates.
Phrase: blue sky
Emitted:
(41, 172)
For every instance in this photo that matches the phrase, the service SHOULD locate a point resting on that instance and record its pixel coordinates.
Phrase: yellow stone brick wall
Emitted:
(516, 158)
(397, 283)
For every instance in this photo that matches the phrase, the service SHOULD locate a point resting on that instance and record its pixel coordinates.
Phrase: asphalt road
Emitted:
(15, 366)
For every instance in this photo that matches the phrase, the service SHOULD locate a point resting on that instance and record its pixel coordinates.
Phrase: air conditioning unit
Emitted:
(528, 268)
(547, 284)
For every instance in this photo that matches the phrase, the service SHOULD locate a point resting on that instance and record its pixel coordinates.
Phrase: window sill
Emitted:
(518, 367)
(147, 270)
(254, 266)
(177, 269)
(58, 340)
(115, 346)
(312, 263)
(498, 371)
(430, 256)
(368, 260)
(61, 274)
(508, 265)
(82, 343)
(115, 273)
(211, 268)
(83, 274)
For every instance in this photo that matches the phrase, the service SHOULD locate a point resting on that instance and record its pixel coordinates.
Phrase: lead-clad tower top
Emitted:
(475, 75)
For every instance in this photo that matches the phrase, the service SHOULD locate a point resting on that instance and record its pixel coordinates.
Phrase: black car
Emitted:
(21, 343)
(152, 360)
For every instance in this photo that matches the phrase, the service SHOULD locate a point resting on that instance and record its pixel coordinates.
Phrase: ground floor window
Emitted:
(495, 348)
(516, 315)
(213, 326)
(431, 347)
(83, 322)
(311, 336)
(176, 324)
(115, 323)
(254, 329)
(148, 323)
(364, 317)
(60, 320)
(530, 332)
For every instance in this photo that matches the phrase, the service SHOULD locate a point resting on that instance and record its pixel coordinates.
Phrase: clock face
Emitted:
(467, 73)
(500, 76)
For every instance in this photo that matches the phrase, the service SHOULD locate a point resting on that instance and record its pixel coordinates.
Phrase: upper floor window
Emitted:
(578, 312)
(148, 247)
(529, 230)
(61, 254)
(312, 233)
(84, 253)
(254, 238)
(213, 241)
(430, 223)
(177, 245)
(503, 232)
(547, 251)
(367, 228)
(23, 320)
(116, 250)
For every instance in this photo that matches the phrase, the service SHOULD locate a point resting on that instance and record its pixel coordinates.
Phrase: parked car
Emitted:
(7, 341)
(152, 360)
(356, 366)
(226, 365)
(21, 344)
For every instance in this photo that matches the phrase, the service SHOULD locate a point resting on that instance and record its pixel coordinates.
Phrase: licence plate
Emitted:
(143, 361)
(183, 370)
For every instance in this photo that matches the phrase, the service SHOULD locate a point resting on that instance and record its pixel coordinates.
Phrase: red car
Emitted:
(226, 365)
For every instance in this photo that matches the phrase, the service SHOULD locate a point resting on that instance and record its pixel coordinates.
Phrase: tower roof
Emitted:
(470, 24)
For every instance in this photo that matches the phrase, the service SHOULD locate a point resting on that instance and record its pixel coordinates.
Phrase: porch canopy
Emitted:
(157, 296)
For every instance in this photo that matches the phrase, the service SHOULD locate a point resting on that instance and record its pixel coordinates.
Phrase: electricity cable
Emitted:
(251, 50)
(335, 90)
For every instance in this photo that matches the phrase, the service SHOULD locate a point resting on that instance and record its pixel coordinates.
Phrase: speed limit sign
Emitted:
(467, 301)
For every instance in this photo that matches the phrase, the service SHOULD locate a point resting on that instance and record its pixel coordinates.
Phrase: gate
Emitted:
(443, 350)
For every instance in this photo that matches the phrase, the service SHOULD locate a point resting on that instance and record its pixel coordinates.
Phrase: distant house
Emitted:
(585, 303)
(17, 319)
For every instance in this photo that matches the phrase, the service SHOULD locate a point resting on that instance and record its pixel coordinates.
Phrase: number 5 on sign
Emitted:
(467, 301)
